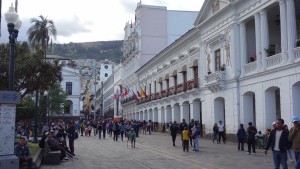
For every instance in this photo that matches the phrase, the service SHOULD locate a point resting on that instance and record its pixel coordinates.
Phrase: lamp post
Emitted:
(35, 139)
(46, 104)
(13, 25)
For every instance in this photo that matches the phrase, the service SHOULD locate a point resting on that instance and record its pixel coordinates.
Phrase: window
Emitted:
(106, 67)
(69, 88)
(106, 75)
(218, 60)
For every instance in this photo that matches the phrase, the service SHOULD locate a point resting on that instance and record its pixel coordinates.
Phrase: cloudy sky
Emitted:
(85, 20)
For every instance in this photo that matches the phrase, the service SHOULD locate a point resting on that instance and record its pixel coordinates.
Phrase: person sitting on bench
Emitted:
(54, 145)
(22, 152)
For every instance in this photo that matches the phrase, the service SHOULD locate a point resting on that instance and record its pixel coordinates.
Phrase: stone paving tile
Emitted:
(156, 152)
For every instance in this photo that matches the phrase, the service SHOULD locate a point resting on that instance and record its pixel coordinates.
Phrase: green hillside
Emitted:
(101, 50)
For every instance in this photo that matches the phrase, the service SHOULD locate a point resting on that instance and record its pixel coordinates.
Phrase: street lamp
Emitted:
(46, 104)
(13, 25)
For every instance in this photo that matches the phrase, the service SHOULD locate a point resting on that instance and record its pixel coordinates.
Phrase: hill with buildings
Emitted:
(100, 50)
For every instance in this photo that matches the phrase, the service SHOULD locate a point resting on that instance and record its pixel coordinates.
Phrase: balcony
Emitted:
(296, 52)
(274, 60)
(164, 93)
(216, 81)
(172, 90)
(192, 84)
(250, 67)
(181, 87)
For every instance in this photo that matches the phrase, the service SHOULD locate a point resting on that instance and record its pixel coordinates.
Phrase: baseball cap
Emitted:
(274, 123)
(47, 133)
(295, 118)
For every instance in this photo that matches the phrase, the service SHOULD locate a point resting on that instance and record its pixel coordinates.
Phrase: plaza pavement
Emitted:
(156, 152)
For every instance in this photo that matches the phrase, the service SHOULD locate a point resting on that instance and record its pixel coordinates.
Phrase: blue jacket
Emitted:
(284, 143)
(241, 133)
(22, 151)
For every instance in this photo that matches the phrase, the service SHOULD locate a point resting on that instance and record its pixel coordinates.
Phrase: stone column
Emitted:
(291, 28)
(283, 30)
(235, 59)
(243, 47)
(264, 36)
(257, 41)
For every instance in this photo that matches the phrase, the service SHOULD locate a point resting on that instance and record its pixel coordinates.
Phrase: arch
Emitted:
(155, 114)
(176, 113)
(182, 69)
(219, 109)
(295, 99)
(194, 63)
(162, 114)
(249, 108)
(168, 112)
(272, 105)
(185, 111)
(150, 115)
(196, 110)
(166, 76)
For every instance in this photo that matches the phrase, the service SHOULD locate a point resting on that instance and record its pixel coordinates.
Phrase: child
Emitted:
(260, 140)
(185, 139)
(132, 136)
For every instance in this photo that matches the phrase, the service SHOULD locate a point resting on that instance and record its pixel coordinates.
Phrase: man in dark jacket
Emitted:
(251, 131)
(279, 143)
(174, 129)
(71, 136)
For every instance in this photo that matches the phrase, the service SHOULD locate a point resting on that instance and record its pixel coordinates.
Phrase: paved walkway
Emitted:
(156, 152)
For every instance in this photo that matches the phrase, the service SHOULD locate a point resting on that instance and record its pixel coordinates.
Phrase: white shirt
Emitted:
(277, 137)
(221, 127)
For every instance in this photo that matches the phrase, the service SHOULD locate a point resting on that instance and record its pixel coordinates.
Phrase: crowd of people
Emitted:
(278, 138)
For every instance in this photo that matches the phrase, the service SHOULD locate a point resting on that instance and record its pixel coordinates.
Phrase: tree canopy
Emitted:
(32, 72)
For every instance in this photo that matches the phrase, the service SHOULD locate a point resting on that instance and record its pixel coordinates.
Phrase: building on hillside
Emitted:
(154, 28)
(239, 64)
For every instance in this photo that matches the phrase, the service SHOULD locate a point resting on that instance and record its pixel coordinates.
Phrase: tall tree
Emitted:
(31, 72)
(40, 33)
(56, 99)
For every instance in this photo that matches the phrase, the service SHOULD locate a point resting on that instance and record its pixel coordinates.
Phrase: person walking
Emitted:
(241, 136)
(104, 128)
(71, 136)
(116, 130)
(279, 143)
(122, 130)
(294, 137)
(99, 129)
(221, 130)
(216, 133)
(174, 130)
(251, 131)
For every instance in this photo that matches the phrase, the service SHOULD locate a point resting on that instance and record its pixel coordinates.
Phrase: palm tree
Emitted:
(41, 32)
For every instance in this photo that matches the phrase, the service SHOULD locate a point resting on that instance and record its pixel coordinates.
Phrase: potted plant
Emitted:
(268, 51)
(223, 67)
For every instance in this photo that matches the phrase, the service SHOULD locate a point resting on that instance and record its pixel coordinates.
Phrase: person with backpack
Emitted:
(115, 129)
(195, 135)
(132, 137)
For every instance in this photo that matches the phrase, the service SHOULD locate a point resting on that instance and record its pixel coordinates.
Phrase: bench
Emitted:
(50, 157)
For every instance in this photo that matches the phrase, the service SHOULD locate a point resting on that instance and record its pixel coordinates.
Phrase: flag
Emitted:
(143, 92)
(138, 93)
(126, 92)
(134, 95)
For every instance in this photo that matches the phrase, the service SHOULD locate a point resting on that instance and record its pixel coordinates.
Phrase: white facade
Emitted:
(238, 64)
(105, 70)
(71, 84)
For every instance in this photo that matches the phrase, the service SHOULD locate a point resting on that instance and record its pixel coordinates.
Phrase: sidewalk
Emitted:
(156, 152)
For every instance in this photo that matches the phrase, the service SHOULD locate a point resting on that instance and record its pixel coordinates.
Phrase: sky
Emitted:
(85, 20)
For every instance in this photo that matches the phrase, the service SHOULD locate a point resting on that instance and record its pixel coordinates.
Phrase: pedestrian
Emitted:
(174, 130)
(251, 131)
(22, 152)
(116, 130)
(122, 130)
(279, 143)
(132, 137)
(260, 137)
(241, 136)
(294, 137)
(104, 128)
(285, 127)
(95, 128)
(90, 129)
(221, 130)
(71, 136)
(195, 135)
(100, 128)
(216, 133)
(149, 126)
(185, 139)
(191, 125)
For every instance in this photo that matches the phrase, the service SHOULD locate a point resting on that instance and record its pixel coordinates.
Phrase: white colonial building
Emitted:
(239, 64)
(71, 85)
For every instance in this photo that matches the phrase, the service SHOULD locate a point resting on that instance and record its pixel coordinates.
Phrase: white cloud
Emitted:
(89, 20)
